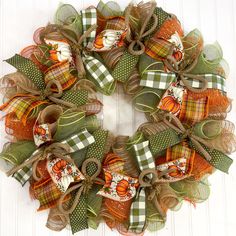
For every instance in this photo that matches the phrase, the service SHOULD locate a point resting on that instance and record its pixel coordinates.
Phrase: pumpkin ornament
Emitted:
(59, 50)
(80, 172)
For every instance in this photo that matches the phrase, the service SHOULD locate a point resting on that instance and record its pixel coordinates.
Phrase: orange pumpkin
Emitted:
(122, 188)
(176, 172)
(39, 130)
(59, 166)
(178, 55)
(168, 103)
(98, 43)
(108, 178)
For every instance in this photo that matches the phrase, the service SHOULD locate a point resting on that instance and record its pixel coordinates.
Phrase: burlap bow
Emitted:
(183, 75)
(174, 123)
(83, 187)
(171, 132)
(150, 188)
(58, 149)
(157, 189)
(135, 40)
(136, 45)
(194, 71)
(48, 88)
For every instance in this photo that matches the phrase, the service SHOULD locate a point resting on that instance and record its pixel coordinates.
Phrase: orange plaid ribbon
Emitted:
(22, 105)
(47, 193)
(193, 110)
(181, 150)
(158, 46)
(60, 72)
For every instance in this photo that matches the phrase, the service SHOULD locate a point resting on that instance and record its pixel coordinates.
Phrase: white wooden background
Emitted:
(217, 21)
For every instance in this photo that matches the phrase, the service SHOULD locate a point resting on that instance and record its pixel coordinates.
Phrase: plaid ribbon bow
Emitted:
(50, 88)
(76, 142)
(174, 134)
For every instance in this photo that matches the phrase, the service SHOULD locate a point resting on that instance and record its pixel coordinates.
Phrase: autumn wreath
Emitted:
(82, 173)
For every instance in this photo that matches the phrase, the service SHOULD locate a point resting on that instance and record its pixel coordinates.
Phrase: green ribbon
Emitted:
(69, 122)
(79, 97)
(17, 153)
(79, 217)
(29, 69)
(170, 137)
(125, 66)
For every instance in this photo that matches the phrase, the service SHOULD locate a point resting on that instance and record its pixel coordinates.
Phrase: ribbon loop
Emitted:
(144, 179)
(183, 75)
(176, 124)
(136, 46)
(83, 187)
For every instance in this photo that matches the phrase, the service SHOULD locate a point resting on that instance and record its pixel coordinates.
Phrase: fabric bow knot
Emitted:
(56, 149)
(174, 123)
(77, 47)
(183, 75)
(136, 46)
(83, 187)
(148, 179)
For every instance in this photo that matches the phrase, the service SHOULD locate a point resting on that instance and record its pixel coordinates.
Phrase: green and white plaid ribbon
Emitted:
(144, 156)
(25, 173)
(138, 207)
(79, 141)
(76, 142)
(162, 80)
(95, 68)
(89, 18)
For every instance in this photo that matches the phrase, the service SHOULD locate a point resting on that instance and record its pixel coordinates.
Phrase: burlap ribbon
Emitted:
(174, 123)
(184, 74)
(173, 132)
(136, 46)
(135, 41)
(83, 187)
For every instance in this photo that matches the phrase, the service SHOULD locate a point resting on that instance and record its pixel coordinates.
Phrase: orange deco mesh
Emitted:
(16, 128)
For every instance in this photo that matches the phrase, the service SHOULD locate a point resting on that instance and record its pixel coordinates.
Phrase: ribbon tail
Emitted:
(29, 69)
(218, 159)
(138, 213)
(97, 70)
(78, 218)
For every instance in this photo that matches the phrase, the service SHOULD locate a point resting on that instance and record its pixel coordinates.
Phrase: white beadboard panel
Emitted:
(217, 21)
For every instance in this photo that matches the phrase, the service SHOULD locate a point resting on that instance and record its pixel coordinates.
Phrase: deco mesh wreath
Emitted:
(81, 172)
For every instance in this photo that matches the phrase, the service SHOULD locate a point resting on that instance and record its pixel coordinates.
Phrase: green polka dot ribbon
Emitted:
(125, 66)
(29, 69)
(161, 16)
(218, 159)
(78, 98)
(79, 217)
